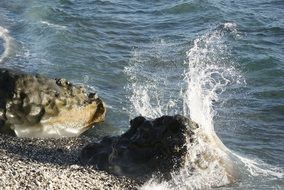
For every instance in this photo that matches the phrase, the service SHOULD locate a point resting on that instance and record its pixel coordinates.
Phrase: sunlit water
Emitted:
(219, 62)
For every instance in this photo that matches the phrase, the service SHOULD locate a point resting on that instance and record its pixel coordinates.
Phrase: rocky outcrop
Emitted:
(36, 106)
(148, 146)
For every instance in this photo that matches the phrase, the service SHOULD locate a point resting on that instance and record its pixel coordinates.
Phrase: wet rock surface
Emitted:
(36, 106)
(148, 147)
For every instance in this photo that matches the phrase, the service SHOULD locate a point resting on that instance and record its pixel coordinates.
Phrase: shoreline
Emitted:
(29, 163)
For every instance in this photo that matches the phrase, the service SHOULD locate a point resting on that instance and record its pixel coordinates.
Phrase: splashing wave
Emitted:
(208, 71)
(8, 44)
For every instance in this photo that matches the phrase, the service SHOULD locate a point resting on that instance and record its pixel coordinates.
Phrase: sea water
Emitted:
(219, 62)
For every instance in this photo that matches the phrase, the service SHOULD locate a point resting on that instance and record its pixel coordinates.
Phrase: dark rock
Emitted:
(148, 146)
(36, 106)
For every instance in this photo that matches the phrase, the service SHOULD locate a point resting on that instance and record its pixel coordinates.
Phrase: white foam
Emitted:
(148, 84)
(53, 25)
(258, 167)
(8, 44)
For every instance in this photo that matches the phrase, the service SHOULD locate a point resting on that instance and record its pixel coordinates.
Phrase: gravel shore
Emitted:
(52, 164)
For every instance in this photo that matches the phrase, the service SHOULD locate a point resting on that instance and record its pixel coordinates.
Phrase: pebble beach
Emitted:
(52, 164)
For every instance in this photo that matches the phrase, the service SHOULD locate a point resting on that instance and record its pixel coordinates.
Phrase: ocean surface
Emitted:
(219, 62)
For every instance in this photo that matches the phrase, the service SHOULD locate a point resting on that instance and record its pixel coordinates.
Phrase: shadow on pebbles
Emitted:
(52, 164)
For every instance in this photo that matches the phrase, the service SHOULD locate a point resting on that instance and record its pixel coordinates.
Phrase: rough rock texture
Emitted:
(52, 164)
(36, 106)
(149, 146)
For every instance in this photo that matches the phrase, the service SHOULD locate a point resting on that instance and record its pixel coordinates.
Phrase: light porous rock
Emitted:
(36, 106)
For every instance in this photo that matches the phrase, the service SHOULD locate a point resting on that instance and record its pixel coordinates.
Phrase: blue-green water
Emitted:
(138, 55)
